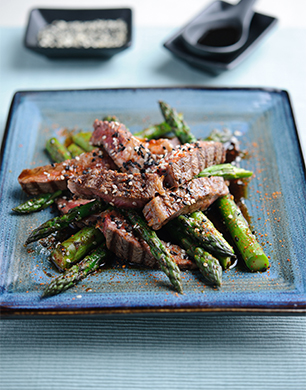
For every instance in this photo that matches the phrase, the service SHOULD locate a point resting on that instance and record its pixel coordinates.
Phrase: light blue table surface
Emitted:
(154, 352)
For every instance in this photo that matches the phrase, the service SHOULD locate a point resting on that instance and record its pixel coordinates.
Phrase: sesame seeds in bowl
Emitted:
(96, 34)
(79, 33)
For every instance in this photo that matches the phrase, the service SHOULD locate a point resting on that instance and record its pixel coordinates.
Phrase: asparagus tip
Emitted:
(47, 293)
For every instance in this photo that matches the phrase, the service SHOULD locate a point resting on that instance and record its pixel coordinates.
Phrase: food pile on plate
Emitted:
(123, 193)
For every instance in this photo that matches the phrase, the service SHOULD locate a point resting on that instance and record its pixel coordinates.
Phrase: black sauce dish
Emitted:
(40, 18)
(259, 28)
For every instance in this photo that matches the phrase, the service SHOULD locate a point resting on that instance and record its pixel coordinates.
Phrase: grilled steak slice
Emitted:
(198, 194)
(120, 239)
(186, 161)
(127, 152)
(118, 188)
(159, 147)
(52, 177)
(64, 205)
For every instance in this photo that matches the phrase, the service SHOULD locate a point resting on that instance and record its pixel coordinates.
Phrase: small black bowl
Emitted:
(260, 26)
(41, 17)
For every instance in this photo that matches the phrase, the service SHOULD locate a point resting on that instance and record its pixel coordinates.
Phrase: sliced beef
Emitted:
(52, 177)
(127, 152)
(198, 194)
(122, 241)
(65, 205)
(118, 188)
(162, 146)
(182, 164)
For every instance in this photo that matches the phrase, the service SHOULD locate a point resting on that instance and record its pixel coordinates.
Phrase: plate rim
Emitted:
(10, 312)
(6, 313)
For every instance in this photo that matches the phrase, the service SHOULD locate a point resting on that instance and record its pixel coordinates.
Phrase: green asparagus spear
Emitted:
(82, 140)
(177, 123)
(226, 261)
(222, 136)
(201, 228)
(155, 131)
(76, 247)
(158, 250)
(251, 252)
(58, 223)
(55, 238)
(75, 150)
(227, 171)
(57, 151)
(36, 204)
(208, 235)
(207, 264)
(77, 272)
(110, 118)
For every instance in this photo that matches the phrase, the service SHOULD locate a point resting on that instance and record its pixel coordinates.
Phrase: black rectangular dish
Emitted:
(91, 44)
(260, 26)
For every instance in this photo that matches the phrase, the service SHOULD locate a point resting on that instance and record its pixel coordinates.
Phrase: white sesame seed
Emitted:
(84, 34)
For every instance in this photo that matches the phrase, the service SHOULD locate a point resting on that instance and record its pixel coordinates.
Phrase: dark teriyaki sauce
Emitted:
(220, 37)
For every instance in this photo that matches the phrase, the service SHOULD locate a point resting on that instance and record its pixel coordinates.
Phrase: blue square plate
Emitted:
(276, 202)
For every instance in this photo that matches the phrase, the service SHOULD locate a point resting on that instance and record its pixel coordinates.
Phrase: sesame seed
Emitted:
(99, 33)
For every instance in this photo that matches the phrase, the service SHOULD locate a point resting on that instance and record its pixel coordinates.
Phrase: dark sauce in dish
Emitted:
(219, 37)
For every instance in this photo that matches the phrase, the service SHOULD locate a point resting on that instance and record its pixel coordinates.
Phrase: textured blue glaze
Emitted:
(276, 199)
